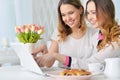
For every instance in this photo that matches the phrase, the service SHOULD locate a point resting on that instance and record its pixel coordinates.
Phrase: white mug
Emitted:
(96, 67)
(112, 68)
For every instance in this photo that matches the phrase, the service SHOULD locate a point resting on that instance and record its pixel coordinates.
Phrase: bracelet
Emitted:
(67, 61)
(70, 60)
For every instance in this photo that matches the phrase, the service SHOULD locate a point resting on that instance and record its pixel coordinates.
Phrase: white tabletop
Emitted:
(17, 73)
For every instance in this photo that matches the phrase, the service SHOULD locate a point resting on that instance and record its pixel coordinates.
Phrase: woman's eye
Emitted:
(87, 13)
(71, 12)
(93, 12)
(62, 15)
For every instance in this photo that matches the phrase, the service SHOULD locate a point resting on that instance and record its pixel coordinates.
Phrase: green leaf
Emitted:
(28, 37)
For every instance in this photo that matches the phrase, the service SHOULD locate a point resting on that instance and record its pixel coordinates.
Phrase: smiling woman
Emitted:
(117, 10)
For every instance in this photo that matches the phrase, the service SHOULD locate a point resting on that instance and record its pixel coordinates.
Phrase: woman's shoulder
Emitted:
(91, 30)
(55, 35)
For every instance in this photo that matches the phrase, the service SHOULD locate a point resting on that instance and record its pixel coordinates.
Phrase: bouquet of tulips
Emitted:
(29, 33)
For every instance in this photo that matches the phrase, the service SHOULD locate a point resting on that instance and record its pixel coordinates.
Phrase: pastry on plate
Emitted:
(74, 72)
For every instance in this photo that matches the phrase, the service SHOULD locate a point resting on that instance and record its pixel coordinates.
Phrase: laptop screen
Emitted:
(26, 59)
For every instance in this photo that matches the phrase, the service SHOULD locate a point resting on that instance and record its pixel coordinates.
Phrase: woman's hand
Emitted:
(42, 48)
(45, 60)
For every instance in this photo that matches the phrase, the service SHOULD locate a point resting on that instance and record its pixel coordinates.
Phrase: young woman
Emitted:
(71, 40)
(106, 42)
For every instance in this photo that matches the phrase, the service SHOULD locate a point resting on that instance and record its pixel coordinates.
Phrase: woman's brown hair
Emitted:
(105, 13)
(63, 29)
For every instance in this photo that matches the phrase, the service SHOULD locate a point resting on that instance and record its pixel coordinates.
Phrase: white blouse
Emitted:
(76, 48)
(108, 52)
(83, 51)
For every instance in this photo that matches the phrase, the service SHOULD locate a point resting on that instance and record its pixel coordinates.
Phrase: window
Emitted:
(13, 12)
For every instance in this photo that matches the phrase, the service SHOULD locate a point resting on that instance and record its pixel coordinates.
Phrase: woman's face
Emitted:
(70, 15)
(91, 14)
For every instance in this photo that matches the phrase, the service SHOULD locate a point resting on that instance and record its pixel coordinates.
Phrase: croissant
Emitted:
(74, 72)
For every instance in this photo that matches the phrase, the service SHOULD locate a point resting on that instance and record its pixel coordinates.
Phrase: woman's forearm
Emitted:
(50, 63)
(61, 58)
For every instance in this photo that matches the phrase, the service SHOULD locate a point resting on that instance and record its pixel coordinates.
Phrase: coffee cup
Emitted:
(112, 68)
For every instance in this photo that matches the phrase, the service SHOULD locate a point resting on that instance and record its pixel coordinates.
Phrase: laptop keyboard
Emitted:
(51, 69)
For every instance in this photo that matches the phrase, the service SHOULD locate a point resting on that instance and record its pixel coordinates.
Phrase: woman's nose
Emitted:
(89, 17)
(68, 18)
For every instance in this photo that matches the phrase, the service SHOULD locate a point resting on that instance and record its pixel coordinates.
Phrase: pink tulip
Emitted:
(18, 30)
(39, 31)
(29, 28)
(26, 30)
(33, 28)
(23, 29)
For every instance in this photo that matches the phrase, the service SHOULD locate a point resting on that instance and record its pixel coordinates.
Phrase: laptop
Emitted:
(27, 61)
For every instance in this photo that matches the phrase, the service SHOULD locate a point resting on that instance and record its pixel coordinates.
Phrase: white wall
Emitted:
(45, 13)
(7, 19)
(13, 12)
(23, 11)
(117, 11)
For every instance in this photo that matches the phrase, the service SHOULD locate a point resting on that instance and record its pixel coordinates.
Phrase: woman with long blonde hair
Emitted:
(71, 40)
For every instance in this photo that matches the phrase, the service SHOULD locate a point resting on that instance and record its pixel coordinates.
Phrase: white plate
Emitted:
(56, 74)
(97, 73)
